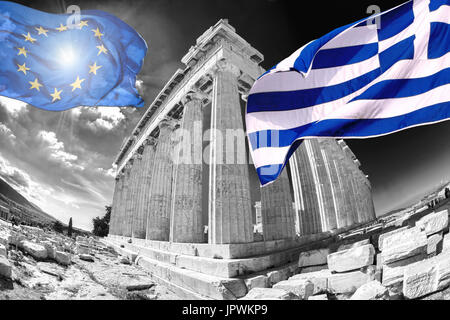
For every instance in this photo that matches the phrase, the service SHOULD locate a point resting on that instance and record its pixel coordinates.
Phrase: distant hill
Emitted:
(9, 192)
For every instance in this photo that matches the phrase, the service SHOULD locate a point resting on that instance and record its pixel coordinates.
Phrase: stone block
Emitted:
(201, 284)
(269, 294)
(347, 246)
(443, 266)
(257, 282)
(278, 275)
(433, 222)
(392, 276)
(318, 278)
(372, 290)
(434, 243)
(349, 282)
(351, 259)
(313, 268)
(5, 268)
(402, 245)
(3, 251)
(313, 257)
(35, 250)
(63, 258)
(86, 257)
(82, 249)
(420, 279)
(388, 235)
(446, 243)
(302, 288)
(409, 260)
(51, 250)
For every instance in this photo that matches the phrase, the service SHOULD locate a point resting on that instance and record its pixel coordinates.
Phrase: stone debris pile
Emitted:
(408, 262)
(47, 265)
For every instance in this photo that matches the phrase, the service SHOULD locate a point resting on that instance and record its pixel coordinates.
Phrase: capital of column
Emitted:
(194, 95)
(135, 156)
(128, 166)
(168, 124)
(121, 173)
(226, 66)
(150, 141)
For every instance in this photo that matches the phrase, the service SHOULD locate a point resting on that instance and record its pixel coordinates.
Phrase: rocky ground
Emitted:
(46, 266)
(405, 257)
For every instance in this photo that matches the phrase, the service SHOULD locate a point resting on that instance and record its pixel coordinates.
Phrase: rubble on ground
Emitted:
(407, 258)
(45, 265)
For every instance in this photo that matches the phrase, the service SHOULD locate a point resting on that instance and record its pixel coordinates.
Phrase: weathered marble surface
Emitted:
(278, 218)
(186, 212)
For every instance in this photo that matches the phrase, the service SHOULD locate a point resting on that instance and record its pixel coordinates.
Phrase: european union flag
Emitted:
(55, 65)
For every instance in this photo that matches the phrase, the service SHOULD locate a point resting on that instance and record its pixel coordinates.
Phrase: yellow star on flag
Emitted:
(35, 84)
(56, 95)
(28, 37)
(102, 49)
(83, 23)
(61, 28)
(93, 69)
(97, 32)
(22, 51)
(77, 84)
(42, 31)
(23, 68)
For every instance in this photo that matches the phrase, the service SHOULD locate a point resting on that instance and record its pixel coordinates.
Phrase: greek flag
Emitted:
(362, 80)
(56, 65)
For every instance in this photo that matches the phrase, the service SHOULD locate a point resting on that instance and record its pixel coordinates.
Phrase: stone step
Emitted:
(191, 281)
(190, 284)
(227, 268)
(161, 271)
(228, 251)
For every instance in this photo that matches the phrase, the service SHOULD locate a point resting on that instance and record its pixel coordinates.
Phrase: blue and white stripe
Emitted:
(355, 82)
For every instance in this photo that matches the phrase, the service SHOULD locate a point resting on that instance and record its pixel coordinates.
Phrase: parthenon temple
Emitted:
(195, 224)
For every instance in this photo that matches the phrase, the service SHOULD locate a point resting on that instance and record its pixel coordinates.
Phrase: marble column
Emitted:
(136, 181)
(126, 229)
(278, 220)
(230, 215)
(145, 181)
(309, 207)
(121, 206)
(114, 207)
(122, 201)
(330, 189)
(158, 223)
(186, 214)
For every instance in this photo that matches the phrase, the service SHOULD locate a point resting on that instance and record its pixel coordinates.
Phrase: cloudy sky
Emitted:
(62, 160)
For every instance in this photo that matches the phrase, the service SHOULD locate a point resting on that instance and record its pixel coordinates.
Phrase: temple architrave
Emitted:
(193, 225)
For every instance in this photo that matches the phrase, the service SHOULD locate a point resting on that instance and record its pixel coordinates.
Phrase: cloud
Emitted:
(13, 175)
(22, 182)
(6, 132)
(111, 172)
(56, 150)
(12, 106)
(100, 118)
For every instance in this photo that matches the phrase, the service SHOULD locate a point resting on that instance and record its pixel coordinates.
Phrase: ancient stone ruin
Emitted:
(195, 224)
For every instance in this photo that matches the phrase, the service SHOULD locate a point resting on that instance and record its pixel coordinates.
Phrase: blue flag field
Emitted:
(54, 65)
